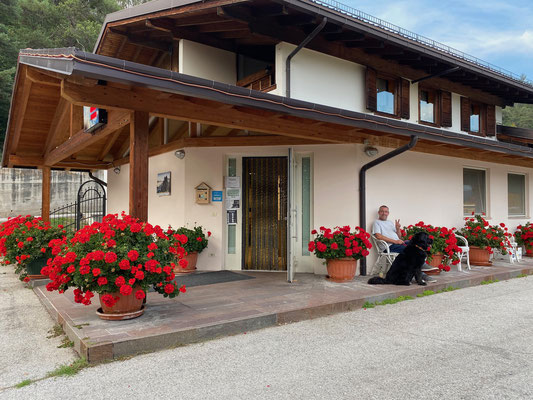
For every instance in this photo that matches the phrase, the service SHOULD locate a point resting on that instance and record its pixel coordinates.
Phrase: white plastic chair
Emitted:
(465, 252)
(384, 254)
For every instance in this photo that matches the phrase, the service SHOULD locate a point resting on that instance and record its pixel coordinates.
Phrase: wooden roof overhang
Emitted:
(45, 123)
(149, 32)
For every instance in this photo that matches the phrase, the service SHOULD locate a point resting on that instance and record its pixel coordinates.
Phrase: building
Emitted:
(290, 98)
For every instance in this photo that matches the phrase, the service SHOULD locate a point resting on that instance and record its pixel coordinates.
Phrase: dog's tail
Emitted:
(377, 281)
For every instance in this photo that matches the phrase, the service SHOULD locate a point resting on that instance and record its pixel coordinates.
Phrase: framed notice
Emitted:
(233, 198)
(232, 217)
(233, 182)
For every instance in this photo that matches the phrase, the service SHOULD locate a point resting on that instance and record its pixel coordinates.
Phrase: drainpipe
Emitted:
(296, 50)
(94, 178)
(362, 185)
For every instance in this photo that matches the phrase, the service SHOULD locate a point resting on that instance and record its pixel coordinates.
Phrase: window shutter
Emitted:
(491, 120)
(446, 109)
(404, 101)
(371, 89)
(465, 114)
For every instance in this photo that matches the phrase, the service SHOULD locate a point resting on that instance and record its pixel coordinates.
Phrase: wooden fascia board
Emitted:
(38, 162)
(82, 139)
(19, 109)
(175, 106)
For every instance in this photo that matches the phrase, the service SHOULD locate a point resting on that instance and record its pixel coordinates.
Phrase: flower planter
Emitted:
(341, 269)
(34, 267)
(126, 307)
(192, 259)
(436, 260)
(479, 256)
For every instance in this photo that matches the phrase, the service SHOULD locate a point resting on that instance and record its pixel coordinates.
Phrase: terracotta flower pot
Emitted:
(192, 259)
(479, 256)
(436, 260)
(341, 269)
(126, 307)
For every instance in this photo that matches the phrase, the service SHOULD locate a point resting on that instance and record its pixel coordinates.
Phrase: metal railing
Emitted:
(387, 26)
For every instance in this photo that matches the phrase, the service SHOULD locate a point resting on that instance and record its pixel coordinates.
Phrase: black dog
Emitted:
(407, 264)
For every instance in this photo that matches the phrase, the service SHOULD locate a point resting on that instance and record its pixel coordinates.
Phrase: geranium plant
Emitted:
(340, 243)
(119, 254)
(193, 240)
(444, 242)
(524, 237)
(480, 233)
(27, 239)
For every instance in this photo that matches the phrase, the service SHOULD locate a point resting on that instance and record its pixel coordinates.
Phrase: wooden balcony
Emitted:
(262, 81)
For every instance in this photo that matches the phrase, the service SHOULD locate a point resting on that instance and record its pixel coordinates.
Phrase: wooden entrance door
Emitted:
(265, 213)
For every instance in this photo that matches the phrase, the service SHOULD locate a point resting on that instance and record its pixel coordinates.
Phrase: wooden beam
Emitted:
(38, 162)
(43, 79)
(45, 198)
(59, 125)
(176, 106)
(76, 119)
(138, 198)
(19, 105)
(82, 139)
(109, 143)
(256, 140)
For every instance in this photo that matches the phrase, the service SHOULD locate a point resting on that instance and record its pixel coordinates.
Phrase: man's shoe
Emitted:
(430, 279)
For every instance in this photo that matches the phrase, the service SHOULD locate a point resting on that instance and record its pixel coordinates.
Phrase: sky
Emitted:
(497, 31)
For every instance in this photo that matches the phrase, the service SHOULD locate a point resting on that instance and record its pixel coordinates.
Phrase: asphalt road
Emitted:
(473, 343)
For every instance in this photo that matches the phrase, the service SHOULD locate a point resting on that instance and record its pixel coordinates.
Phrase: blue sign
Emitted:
(216, 195)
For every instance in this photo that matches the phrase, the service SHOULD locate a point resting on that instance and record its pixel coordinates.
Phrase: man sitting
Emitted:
(385, 230)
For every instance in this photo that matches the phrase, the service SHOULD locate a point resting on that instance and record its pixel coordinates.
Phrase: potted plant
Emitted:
(444, 250)
(118, 258)
(25, 241)
(483, 238)
(341, 249)
(524, 237)
(193, 241)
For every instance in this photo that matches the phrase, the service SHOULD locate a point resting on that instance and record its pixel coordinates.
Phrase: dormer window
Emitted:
(386, 95)
(478, 118)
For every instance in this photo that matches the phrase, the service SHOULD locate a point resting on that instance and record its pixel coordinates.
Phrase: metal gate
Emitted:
(90, 206)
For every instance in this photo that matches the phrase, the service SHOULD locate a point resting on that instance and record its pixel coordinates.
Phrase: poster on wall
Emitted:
(232, 182)
(216, 195)
(232, 217)
(233, 198)
(163, 184)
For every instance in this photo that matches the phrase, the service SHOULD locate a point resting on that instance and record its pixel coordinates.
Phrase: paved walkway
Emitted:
(25, 350)
(474, 343)
(211, 311)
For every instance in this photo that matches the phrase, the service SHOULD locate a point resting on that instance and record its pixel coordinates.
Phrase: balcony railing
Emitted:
(261, 80)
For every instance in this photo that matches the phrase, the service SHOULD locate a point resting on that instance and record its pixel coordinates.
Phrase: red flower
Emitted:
(85, 269)
(71, 268)
(125, 290)
(26, 279)
(139, 275)
(120, 281)
(110, 257)
(96, 271)
(169, 288)
(108, 300)
(313, 232)
(311, 246)
(124, 264)
(199, 239)
(183, 263)
(29, 239)
(20, 245)
(334, 246)
(102, 281)
(133, 255)
(208, 234)
(182, 289)
(136, 227)
(348, 252)
(152, 246)
(43, 250)
(139, 294)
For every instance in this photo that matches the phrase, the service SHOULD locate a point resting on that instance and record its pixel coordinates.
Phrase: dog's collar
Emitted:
(419, 247)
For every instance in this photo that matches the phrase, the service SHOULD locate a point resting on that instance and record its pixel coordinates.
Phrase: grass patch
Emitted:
(65, 343)
(368, 305)
(425, 293)
(489, 281)
(25, 382)
(394, 301)
(81, 325)
(57, 330)
(521, 276)
(70, 369)
(447, 289)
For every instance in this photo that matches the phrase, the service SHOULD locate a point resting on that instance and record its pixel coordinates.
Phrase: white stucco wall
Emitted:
(321, 79)
(207, 62)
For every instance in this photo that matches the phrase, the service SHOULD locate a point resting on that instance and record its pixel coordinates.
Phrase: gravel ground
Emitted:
(472, 343)
(25, 351)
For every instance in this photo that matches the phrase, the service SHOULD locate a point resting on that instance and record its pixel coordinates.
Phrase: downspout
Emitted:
(94, 178)
(362, 185)
(311, 36)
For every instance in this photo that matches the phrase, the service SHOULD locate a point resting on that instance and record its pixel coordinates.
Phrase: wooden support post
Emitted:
(45, 194)
(139, 133)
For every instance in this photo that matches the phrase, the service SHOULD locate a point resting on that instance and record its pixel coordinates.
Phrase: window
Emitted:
(386, 98)
(428, 106)
(232, 229)
(474, 191)
(516, 190)
(306, 205)
(475, 118)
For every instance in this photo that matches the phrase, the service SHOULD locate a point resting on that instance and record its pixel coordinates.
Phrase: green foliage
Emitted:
(520, 116)
(368, 305)
(69, 370)
(25, 382)
(488, 282)
(425, 293)
(196, 238)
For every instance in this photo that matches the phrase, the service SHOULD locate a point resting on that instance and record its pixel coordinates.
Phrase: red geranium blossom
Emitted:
(139, 294)
(125, 290)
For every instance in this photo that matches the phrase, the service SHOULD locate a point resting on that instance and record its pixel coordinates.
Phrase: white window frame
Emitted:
(526, 197)
(487, 189)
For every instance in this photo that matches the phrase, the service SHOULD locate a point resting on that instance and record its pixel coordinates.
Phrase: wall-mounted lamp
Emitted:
(180, 154)
(116, 170)
(370, 150)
